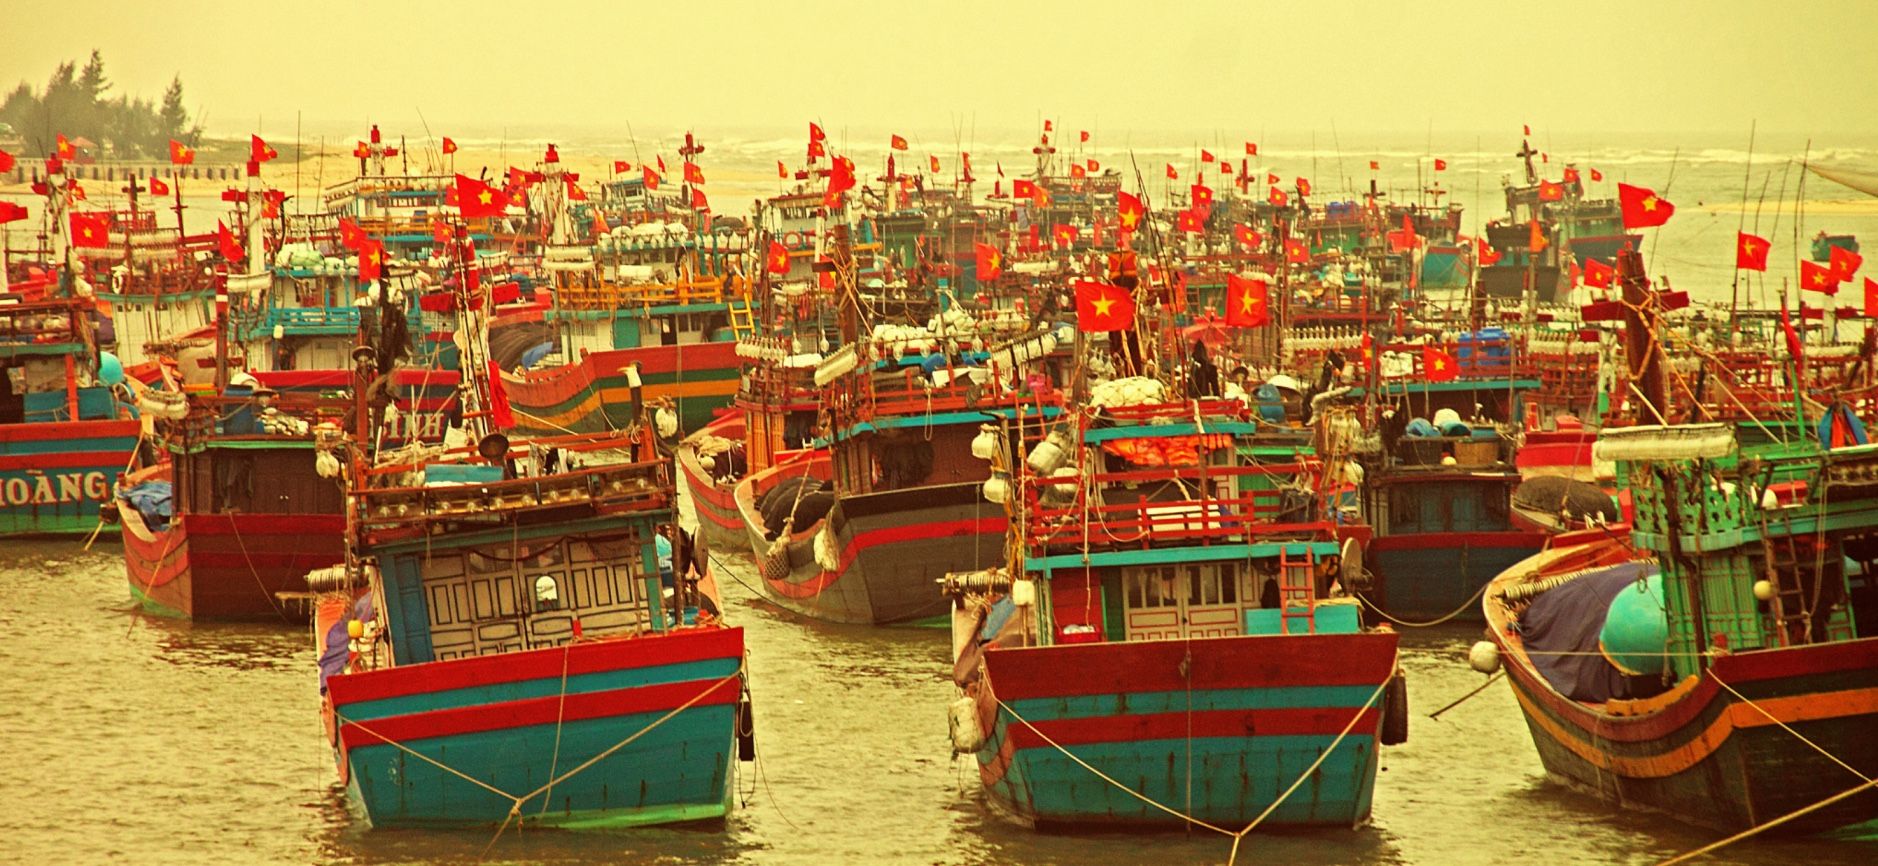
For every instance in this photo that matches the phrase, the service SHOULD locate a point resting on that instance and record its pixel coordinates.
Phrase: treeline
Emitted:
(76, 102)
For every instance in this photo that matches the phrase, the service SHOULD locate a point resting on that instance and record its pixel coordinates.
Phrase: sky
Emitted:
(1658, 67)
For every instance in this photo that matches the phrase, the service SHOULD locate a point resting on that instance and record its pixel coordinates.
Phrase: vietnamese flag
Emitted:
(501, 416)
(1085, 136)
(815, 132)
(1642, 208)
(1485, 255)
(1206, 155)
(1374, 165)
(1549, 191)
(650, 177)
(1225, 167)
(449, 146)
(897, 143)
(1751, 252)
(181, 154)
(1535, 239)
(225, 239)
(840, 180)
(1171, 173)
(1439, 366)
(1129, 210)
(1404, 240)
(1817, 278)
(1092, 165)
(1201, 196)
(932, 163)
(777, 261)
(1251, 149)
(1247, 236)
(1871, 297)
(158, 187)
(64, 147)
(6, 161)
(574, 192)
(1064, 234)
(1597, 175)
(258, 151)
(1277, 197)
(1304, 186)
(350, 235)
(271, 200)
(371, 261)
(817, 150)
(1021, 188)
(1077, 171)
(1598, 275)
(1296, 252)
(990, 262)
(693, 174)
(1844, 263)
(1248, 302)
(1189, 221)
(362, 150)
(1103, 307)
(621, 166)
(1441, 164)
(478, 199)
(10, 212)
(698, 201)
(91, 229)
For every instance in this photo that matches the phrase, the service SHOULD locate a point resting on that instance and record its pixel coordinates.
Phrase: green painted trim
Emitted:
(150, 605)
(976, 416)
(9, 351)
(1217, 552)
(1157, 431)
(645, 816)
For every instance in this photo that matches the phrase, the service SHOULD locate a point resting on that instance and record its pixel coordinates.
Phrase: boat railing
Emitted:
(607, 295)
(612, 488)
(1218, 503)
(41, 324)
(281, 416)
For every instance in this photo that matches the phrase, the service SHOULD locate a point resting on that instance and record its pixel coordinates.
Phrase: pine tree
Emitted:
(173, 119)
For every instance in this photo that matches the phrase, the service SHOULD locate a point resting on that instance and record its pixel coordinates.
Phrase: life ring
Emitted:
(792, 240)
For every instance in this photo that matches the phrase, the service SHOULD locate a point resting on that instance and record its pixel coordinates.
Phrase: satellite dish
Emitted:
(1350, 571)
(493, 447)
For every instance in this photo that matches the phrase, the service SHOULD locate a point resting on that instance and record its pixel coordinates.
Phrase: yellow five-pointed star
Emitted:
(1819, 279)
(1649, 203)
(1247, 303)
(372, 257)
(1102, 303)
(88, 232)
(485, 197)
(1128, 220)
(1747, 246)
(1440, 364)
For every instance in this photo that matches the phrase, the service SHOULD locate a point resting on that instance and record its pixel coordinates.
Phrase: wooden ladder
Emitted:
(1297, 590)
(742, 318)
(1782, 569)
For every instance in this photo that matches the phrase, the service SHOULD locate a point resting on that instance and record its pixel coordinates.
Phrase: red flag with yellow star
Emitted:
(1642, 208)
(1296, 252)
(840, 180)
(1815, 277)
(1439, 366)
(225, 240)
(1104, 307)
(1130, 211)
(91, 229)
(1751, 252)
(1844, 263)
(478, 199)
(1277, 197)
(371, 261)
(258, 151)
(1549, 191)
(1064, 234)
(1247, 236)
(990, 262)
(693, 174)
(777, 262)
(1598, 275)
(1189, 221)
(350, 235)
(181, 154)
(449, 146)
(1871, 297)
(1248, 302)
(897, 143)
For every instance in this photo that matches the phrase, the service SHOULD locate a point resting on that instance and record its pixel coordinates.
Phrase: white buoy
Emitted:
(1484, 657)
(1023, 592)
(1763, 590)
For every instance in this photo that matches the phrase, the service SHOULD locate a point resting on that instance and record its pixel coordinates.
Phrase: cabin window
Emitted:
(547, 594)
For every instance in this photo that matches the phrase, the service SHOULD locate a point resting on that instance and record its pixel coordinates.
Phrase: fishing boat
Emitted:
(1165, 647)
(235, 508)
(505, 648)
(67, 430)
(1710, 663)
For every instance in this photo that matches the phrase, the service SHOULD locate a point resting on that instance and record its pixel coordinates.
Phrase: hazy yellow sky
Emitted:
(1801, 68)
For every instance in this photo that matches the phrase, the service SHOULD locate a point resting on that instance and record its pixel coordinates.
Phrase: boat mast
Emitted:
(1642, 351)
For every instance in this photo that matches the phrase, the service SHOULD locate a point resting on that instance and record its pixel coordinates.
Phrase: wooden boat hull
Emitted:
(720, 525)
(592, 395)
(228, 566)
(1710, 758)
(1263, 708)
(54, 475)
(506, 721)
(1429, 575)
(890, 549)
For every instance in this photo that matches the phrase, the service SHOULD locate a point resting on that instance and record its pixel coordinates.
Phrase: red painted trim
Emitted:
(536, 711)
(1215, 663)
(1516, 539)
(1301, 721)
(111, 459)
(67, 430)
(884, 536)
(583, 658)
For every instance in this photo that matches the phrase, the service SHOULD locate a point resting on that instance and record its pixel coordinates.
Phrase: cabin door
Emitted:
(1178, 601)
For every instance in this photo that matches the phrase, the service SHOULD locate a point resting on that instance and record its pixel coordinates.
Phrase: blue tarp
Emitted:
(152, 501)
(1560, 630)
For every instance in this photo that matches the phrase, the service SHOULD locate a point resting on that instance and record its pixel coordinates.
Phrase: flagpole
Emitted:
(1747, 180)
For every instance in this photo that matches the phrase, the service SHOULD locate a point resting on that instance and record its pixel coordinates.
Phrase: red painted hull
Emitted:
(228, 566)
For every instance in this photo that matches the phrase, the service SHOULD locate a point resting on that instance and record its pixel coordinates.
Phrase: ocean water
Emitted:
(138, 740)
